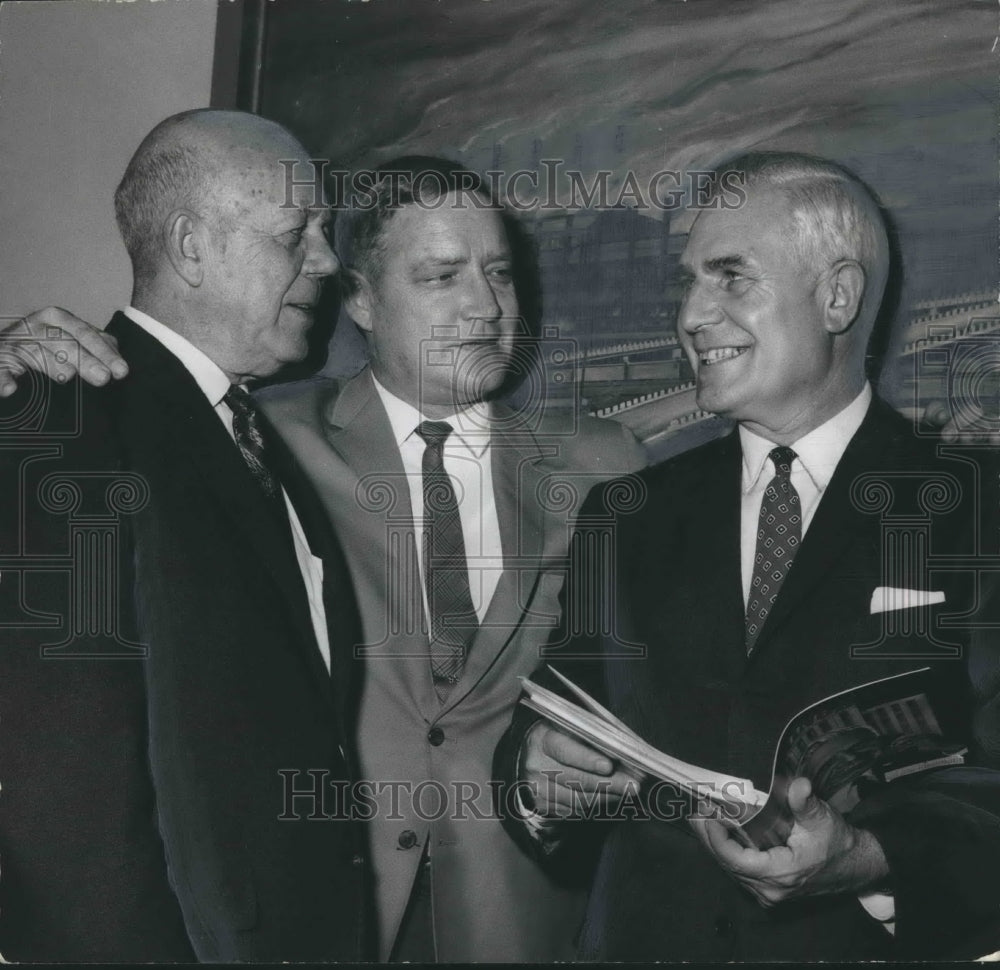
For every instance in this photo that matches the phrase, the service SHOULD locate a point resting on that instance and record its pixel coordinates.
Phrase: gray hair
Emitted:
(179, 165)
(837, 216)
(164, 174)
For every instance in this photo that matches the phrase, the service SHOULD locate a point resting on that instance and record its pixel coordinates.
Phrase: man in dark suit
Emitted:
(432, 282)
(754, 576)
(204, 665)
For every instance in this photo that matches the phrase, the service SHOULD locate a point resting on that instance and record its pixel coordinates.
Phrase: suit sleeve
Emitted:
(612, 448)
(940, 831)
(984, 645)
(575, 650)
(941, 838)
(84, 874)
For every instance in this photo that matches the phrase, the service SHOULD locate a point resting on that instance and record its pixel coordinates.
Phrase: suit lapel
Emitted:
(833, 528)
(519, 471)
(187, 417)
(359, 431)
(339, 602)
(714, 558)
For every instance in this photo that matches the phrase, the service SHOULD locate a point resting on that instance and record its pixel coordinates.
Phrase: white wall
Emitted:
(81, 81)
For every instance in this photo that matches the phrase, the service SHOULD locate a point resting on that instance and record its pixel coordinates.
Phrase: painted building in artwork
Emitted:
(607, 278)
(950, 351)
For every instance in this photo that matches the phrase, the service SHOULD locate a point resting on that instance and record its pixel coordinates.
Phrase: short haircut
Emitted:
(410, 180)
(836, 214)
(164, 174)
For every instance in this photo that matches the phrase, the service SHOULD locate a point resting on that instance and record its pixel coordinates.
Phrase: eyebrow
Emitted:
(309, 211)
(295, 215)
(302, 216)
(718, 263)
(432, 260)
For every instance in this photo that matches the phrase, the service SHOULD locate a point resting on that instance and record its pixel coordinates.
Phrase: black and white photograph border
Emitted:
(604, 131)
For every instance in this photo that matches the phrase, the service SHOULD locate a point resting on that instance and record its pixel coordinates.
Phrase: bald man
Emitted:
(147, 759)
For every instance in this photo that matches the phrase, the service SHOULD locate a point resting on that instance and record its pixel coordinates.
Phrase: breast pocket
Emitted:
(904, 626)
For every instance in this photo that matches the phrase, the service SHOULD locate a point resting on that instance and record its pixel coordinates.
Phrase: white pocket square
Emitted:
(886, 598)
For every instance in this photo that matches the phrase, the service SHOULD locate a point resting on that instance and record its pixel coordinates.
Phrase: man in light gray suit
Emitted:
(430, 281)
(454, 512)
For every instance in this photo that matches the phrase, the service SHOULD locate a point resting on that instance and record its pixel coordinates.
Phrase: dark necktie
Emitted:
(779, 533)
(251, 439)
(446, 570)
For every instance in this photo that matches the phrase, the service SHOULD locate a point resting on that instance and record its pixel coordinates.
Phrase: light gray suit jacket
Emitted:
(429, 764)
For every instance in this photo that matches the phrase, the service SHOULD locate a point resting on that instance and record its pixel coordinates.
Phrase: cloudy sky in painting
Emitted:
(903, 91)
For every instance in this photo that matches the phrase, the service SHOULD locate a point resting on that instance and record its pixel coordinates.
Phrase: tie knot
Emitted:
(434, 432)
(782, 458)
(238, 400)
(249, 432)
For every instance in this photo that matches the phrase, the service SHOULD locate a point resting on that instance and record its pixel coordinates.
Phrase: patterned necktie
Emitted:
(779, 533)
(446, 570)
(251, 439)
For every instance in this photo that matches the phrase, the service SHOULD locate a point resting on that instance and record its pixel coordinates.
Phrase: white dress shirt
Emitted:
(214, 385)
(469, 464)
(817, 455)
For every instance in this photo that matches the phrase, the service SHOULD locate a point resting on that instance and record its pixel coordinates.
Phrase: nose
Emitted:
(482, 301)
(699, 309)
(320, 259)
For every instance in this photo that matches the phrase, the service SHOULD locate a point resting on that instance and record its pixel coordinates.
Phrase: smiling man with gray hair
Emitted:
(753, 572)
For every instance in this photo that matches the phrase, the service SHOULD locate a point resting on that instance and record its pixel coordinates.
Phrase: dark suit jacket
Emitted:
(673, 586)
(232, 691)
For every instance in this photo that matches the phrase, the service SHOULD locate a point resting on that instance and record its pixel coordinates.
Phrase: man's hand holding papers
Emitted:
(564, 774)
(582, 761)
(823, 853)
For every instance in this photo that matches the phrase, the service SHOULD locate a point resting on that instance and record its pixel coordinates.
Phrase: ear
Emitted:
(359, 301)
(185, 244)
(842, 295)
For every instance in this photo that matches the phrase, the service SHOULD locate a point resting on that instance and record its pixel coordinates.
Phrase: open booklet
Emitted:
(883, 730)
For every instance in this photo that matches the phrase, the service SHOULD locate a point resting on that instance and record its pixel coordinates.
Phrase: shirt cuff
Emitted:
(882, 907)
(541, 829)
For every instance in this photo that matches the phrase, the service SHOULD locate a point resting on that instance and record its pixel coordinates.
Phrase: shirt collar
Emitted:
(404, 418)
(210, 377)
(819, 451)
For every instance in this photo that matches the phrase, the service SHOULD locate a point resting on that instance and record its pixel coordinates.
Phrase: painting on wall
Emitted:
(596, 122)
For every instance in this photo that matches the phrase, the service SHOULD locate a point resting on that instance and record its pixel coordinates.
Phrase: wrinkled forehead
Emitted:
(762, 226)
(434, 222)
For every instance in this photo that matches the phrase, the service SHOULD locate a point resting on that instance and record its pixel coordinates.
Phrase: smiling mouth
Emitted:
(718, 354)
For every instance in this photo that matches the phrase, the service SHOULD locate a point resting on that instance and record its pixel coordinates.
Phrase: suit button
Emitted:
(358, 860)
(407, 839)
(723, 926)
(436, 736)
